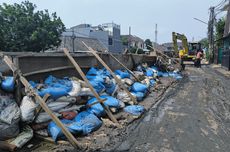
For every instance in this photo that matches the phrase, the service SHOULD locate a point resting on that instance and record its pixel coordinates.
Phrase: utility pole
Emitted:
(156, 32)
(73, 38)
(211, 34)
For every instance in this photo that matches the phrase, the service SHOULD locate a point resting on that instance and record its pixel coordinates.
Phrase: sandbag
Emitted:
(75, 89)
(98, 86)
(160, 74)
(138, 95)
(55, 92)
(88, 122)
(122, 74)
(85, 92)
(165, 74)
(44, 117)
(56, 132)
(27, 108)
(9, 118)
(98, 110)
(110, 86)
(54, 86)
(123, 96)
(152, 82)
(25, 136)
(127, 81)
(8, 84)
(175, 75)
(136, 110)
(149, 72)
(138, 87)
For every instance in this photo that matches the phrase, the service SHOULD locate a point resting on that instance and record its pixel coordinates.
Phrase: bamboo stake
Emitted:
(111, 72)
(27, 85)
(78, 68)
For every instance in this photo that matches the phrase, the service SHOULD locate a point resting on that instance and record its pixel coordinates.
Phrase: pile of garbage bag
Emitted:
(72, 101)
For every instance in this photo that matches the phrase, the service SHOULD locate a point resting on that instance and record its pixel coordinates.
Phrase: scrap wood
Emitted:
(27, 85)
(78, 68)
(111, 72)
(49, 139)
(4, 145)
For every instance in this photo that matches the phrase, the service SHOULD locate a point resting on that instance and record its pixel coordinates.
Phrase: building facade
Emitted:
(107, 34)
(132, 41)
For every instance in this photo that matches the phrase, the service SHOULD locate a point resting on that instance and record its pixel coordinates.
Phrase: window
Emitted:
(110, 41)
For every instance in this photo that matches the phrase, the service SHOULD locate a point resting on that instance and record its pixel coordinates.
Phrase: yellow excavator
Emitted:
(188, 53)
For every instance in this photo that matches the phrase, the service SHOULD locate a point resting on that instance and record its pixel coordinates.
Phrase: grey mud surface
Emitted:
(194, 116)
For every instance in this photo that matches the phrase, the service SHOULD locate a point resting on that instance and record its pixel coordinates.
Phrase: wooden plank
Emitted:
(111, 72)
(7, 146)
(77, 67)
(30, 89)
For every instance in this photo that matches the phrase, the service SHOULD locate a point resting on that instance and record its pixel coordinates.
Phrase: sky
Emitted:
(140, 15)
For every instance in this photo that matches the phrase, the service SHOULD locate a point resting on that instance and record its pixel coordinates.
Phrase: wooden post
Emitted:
(78, 68)
(111, 72)
(65, 131)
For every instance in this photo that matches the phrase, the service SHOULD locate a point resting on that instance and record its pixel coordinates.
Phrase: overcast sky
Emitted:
(141, 15)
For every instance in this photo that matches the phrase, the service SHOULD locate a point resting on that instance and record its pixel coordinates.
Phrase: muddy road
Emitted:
(193, 116)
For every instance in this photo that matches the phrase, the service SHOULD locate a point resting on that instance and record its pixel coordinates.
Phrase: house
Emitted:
(132, 41)
(169, 46)
(107, 34)
(74, 44)
(226, 44)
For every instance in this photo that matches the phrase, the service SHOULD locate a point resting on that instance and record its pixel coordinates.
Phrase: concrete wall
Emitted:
(32, 63)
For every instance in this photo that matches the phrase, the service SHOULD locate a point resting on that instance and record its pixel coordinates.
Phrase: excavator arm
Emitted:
(182, 37)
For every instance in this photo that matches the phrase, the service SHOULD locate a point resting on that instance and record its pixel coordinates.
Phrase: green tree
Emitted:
(148, 44)
(204, 42)
(124, 41)
(219, 28)
(24, 29)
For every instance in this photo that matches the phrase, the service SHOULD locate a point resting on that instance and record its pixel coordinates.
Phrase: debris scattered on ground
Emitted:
(71, 100)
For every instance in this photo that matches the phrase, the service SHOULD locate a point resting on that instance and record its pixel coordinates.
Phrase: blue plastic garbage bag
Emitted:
(165, 74)
(149, 73)
(8, 84)
(139, 95)
(98, 86)
(56, 132)
(160, 74)
(95, 71)
(175, 75)
(139, 68)
(178, 77)
(54, 86)
(138, 87)
(55, 92)
(98, 110)
(122, 74)
(154, 68)
(92, 71)
(152, 82)
(136, 110)
(96, 78)
(88, 122)
(110, 88)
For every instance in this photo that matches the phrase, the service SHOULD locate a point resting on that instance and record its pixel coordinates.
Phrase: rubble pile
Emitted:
(71, 100)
